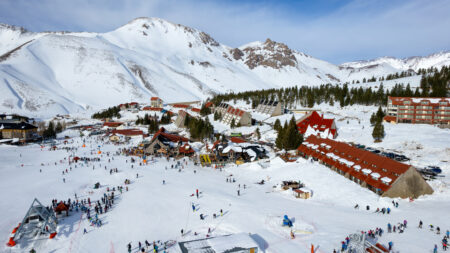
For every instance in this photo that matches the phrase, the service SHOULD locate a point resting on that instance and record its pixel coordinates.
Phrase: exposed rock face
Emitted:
(236, 53)
(208, 40)
(270, 54)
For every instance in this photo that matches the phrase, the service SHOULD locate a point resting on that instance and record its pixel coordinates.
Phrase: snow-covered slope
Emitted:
(412, 63)
(42, 74)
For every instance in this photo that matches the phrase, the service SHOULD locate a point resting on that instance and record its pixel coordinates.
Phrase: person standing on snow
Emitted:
(193, 207)
(196, 192)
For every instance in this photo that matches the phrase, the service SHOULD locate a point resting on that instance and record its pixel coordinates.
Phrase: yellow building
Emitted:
(20, 130)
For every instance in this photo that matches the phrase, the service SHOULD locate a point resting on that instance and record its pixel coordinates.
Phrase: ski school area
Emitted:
(86, 195)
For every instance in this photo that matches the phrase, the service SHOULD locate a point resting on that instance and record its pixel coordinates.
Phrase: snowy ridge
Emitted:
(42, 74)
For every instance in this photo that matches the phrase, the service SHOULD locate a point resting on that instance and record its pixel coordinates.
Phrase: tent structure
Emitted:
(38, 218)
(61, 207)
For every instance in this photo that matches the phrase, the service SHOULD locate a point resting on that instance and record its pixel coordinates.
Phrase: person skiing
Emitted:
(85, 231)
(420, 224)
(435, 249)
(193, 207)
(221, 213)
(201, 217)
(390, 244)
(438, 230)
(196, 192)
(182, 232)
(129, 247)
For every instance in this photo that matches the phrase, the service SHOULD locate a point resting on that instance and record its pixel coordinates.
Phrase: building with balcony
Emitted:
(418, 110)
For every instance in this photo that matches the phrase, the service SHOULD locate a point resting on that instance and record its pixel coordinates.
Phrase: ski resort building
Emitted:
(418, 110)
(380, 174)
(164, 143)
(222, 108)
(156, 102)
(315, 124)
(241, 117)
(112, 124)
(270, 107)
(21, 130)
(235, 243)
(132, 105)
(181, 118)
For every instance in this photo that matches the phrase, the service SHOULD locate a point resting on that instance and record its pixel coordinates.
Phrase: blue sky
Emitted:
(332, 30)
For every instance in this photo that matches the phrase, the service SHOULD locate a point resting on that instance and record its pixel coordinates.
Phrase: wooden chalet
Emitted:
(163, 140)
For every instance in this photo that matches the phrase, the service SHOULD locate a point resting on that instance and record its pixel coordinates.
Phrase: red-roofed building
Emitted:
(186, 150)
(241, 117)
(237, 140)
(156, 102)
(418, 110)
(112, 124)
(379, 174)
(166, 141)
(197, 110)
(132, 105)
(318, 123)
(128, 132)
(181, 118)
(156, 109)
(209, 104)
(180, 106)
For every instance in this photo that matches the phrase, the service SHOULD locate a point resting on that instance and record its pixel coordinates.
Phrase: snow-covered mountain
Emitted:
(46, 73)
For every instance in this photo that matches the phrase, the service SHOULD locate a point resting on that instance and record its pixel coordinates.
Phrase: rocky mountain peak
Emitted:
(268, 54)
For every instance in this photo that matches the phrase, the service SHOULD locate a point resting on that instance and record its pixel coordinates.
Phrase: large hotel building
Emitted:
(418, 110)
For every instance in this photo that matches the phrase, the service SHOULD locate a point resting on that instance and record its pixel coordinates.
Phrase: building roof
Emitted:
(209, 104)
(168, 137)
(154, 98)
(417, 100)
(186, 149)
(235, 111)
(148, 108)
(180, 106)
(228, 243)
(237, 140)
(128, 132)
(16, 126)
(389, 118)
(359, 163)
(197, 110)
(317, 122)
(268, 102)
(112, 124)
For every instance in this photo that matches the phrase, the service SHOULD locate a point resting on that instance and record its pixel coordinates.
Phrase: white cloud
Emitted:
(358, 30)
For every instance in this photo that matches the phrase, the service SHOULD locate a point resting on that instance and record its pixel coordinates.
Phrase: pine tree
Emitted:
(378, 131)
(50, 131)
(293, 138)
(258, 134)
(279, 141)
(277, 125)
(205, 110)
(58, 128)
(233, 123)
